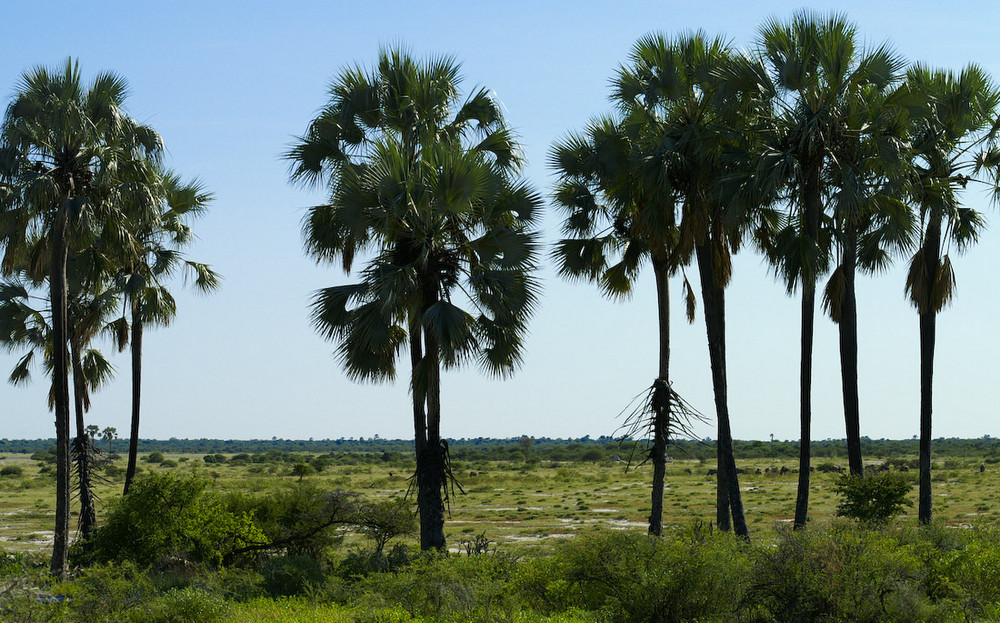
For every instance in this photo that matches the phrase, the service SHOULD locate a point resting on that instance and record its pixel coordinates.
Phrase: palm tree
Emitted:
(425, 185)
(109, 434)
(616, 220)
(675, 89)
(25, 326)
(59, 143)
(868, 221)
(954, 123)
(158, 211)
(813, 68)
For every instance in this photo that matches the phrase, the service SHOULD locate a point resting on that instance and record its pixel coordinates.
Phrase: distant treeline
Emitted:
(541, 448)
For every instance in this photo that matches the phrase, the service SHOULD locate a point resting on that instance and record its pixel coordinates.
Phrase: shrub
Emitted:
(109, 593)
(635, 577)
(873, 498)
(285, 576)
(299, 520)
(186, 604)
(12, 470)
(384, 520)
(154, 457)
(361, 563)
(167, 516)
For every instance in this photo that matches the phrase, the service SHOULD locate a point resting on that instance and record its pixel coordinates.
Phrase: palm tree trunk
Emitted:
(728, 498)
(432, 459)
(848, 328)
(60, 387)
(136, 351)
(813, 207)
(661, 397)
(433, 477)
(928, 326)
(81, 447)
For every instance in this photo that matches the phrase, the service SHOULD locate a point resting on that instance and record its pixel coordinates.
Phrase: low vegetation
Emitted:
(531, 539)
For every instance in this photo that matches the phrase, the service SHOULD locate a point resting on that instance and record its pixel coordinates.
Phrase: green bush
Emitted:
(635, 577)
(189, 605)
(873, 498)
(167, 516)
(303, 518)
(361, 563)
(108, 593)
(154, 457)
(291, 575)
(11, 470)
(847, 573)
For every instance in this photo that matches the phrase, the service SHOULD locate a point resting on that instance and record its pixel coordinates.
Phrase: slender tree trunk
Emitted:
(661, 397)
(928, 326)
(433, 480)
(728, 498)
(432, 459)
(848, 328)
(813, 207)
(136, 351)
(60, 388)
(81, 450)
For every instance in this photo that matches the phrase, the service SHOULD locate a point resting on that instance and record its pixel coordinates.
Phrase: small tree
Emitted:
(385, 520)
(874, 498)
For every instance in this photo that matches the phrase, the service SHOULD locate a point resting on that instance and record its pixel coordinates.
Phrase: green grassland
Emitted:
(518, 503)
(562, 541)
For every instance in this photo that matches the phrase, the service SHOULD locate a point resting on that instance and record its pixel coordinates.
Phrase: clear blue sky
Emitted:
(229, 84)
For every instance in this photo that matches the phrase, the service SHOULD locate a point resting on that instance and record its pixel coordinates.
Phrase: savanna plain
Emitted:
(535, 533)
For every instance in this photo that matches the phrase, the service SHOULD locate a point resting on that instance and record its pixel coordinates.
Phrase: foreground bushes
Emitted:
(847, 572)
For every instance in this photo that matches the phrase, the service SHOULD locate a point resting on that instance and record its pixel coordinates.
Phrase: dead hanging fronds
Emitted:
(690, 300)
(930, 295)
(834, 294)
(658, 407)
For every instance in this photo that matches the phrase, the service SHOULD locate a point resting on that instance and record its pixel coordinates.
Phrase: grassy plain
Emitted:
(519, 504)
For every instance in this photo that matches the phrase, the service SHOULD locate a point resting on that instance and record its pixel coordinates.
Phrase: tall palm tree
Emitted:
(158, 211)
(28, 327)
(869, 221)
(425, 185)
(59, 142)
(677, 91)
(617, 219)
(955, 118)
(812, 66)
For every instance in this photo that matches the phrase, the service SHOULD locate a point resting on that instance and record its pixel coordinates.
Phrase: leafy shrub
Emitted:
(167, 516)
(873, 498)
(11, 470)
(108, 593)
(301, 519)
(360, 563)
(154, 457)
(847, 573)
(215, 458)
(45, 456)
(384, 520)
(441, 588)
(187, 604)
(635, 577)
(291, 575)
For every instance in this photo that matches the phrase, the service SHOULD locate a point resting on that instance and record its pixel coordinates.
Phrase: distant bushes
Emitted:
(8, 471)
